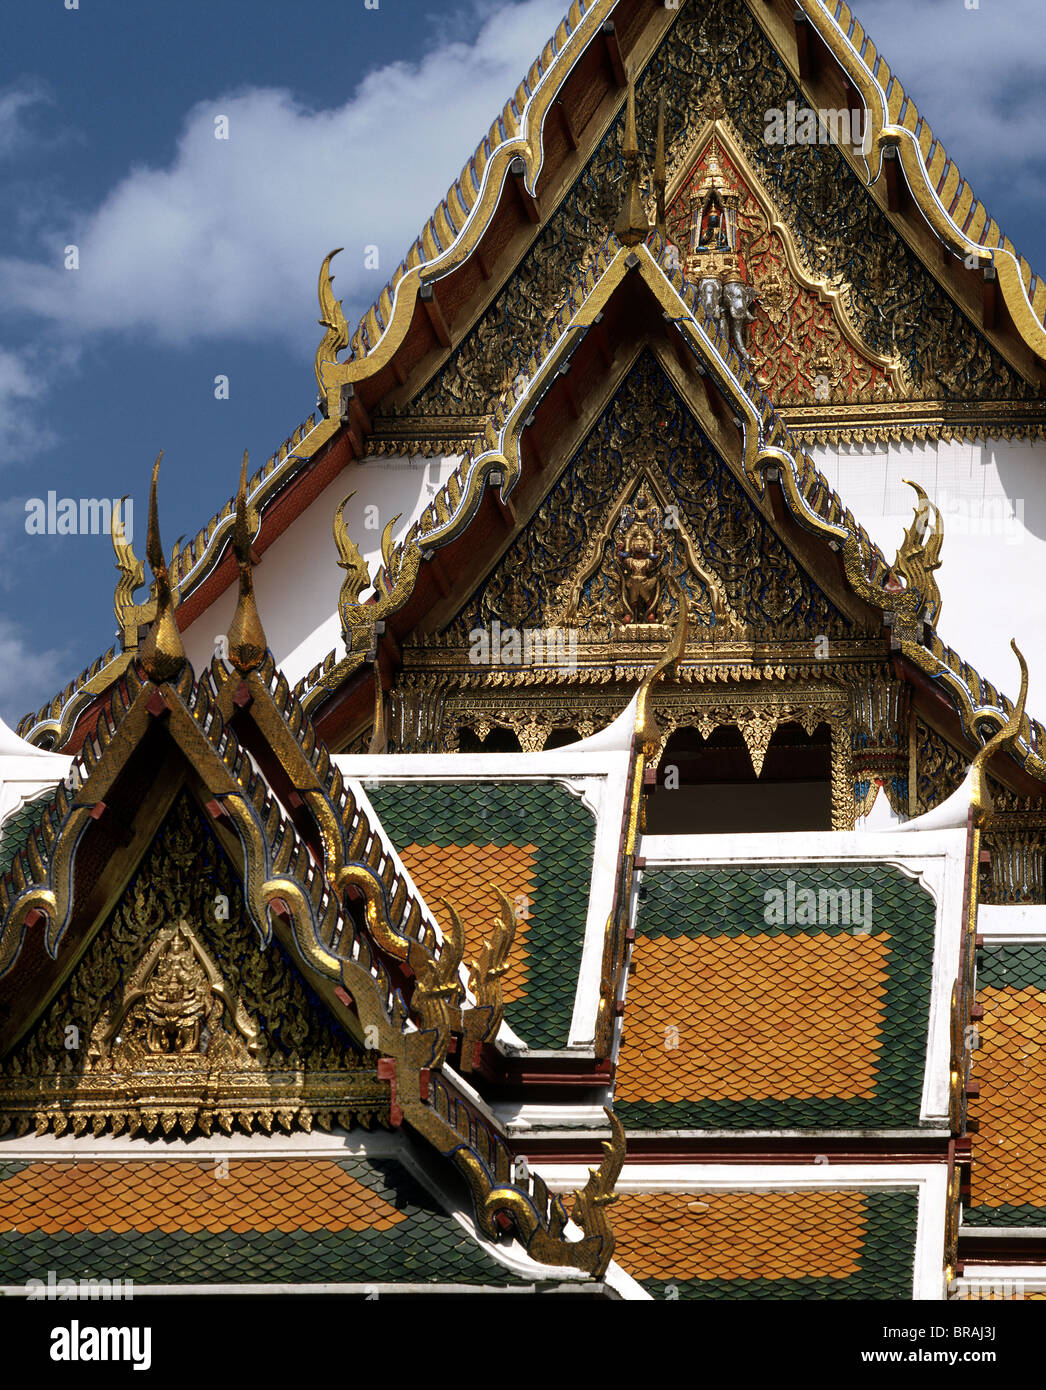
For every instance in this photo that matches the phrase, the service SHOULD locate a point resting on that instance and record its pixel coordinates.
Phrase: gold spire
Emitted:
(660, 174)
(162, 654)
(247, 642)
(632, 226)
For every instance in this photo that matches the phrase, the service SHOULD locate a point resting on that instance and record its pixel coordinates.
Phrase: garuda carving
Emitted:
(175, 1003)
(641, 558)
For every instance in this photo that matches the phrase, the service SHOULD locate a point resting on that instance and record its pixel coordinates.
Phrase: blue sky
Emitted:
(199, 257)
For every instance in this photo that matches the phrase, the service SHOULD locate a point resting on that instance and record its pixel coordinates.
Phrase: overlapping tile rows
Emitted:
(465, 824)
(1008, 1184)
(734, 1020)
(821, 1243)
(239, 1220)
(19, 825)
(467, 880)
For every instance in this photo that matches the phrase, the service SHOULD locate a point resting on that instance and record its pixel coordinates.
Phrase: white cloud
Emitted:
(229, 235)
(977, 75)
(23, 388)
(15, 101)
(28, 677)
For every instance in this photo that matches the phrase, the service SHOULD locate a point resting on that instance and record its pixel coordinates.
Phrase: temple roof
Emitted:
(701, 1243)
(319, 450)
(737, 1021)
(943, 196)
(1007, 1186)
(261, 1219)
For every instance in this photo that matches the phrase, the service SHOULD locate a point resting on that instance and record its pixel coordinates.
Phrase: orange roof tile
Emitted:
(466, 875)
(739, 1235)
(1010, 1064)
(765, 1016)
(119, 1196)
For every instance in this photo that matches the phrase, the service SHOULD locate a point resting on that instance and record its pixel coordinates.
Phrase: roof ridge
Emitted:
(820, 506)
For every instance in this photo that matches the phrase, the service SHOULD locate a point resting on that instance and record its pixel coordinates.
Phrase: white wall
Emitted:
(992, 498)
(298, 581)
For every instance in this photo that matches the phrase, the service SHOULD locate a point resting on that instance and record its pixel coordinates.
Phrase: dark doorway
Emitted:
(709, 787)
(497, 741)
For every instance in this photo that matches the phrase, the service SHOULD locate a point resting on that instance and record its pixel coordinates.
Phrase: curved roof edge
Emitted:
(457, 225)
(768, 443)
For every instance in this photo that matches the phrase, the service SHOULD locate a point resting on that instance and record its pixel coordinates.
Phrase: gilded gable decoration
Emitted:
(641, 557)
(803, 345)
(182, 1020)
(174, 1003)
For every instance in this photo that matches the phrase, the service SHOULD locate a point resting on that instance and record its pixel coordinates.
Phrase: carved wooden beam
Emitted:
(518, 171)
(613, 48)
(438, 323)
(896, 188)
(990, 301)
(568, 125)
(805, 47)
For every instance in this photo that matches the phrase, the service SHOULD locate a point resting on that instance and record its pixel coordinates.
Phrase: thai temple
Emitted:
(548, 833)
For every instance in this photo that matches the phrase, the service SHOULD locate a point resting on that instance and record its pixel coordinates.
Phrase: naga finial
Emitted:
(162, 655)
(130, 616)
(919, 553)
(482, 1022)
(247, 642)
(1006, 737)
(333, 320)
(599, 1192)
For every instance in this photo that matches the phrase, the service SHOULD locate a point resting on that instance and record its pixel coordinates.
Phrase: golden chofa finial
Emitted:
(1006, 737)
(632, 226)
(162, 655)
(247, 642)
(660, 172)
(333, 320)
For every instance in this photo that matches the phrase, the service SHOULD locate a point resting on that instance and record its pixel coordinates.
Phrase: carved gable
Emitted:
(801, 340)
(177, 1015)
(847, 316)
(647, 471)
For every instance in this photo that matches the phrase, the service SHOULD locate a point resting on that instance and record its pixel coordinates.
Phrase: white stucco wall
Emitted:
(298, 581)
(992, 498)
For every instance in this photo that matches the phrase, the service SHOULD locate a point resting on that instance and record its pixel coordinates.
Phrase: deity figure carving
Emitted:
(713, 230)
(174, 1006)
(639, 563)
(715, 259)
(176, 1001)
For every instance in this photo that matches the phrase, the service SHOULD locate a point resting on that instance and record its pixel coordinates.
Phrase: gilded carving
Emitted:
(898, 311)
(940, 768)
(738, 576)
(333, 320)
(182, 1019)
